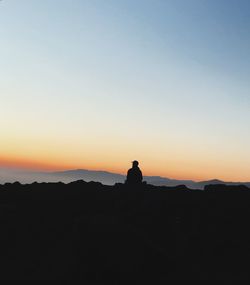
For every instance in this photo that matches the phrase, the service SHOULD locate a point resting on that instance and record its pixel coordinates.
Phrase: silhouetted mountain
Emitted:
(90, 175)
(108, 178)
(89, 233)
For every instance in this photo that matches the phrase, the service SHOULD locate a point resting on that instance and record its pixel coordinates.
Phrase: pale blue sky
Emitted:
(164, 81)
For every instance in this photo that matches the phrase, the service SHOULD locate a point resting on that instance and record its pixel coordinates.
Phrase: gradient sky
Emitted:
(95, 84)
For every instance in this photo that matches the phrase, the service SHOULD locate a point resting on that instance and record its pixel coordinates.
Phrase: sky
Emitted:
(96, 84)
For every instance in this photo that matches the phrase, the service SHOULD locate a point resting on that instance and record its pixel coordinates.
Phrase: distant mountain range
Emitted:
(8, 175)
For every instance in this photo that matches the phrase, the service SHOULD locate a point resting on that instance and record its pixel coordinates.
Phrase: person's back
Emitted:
(134, 175)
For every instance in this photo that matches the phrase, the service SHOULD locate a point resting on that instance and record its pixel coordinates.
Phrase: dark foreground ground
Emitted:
(87, 233)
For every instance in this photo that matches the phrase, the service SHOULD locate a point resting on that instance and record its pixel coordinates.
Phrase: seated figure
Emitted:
(134, 175)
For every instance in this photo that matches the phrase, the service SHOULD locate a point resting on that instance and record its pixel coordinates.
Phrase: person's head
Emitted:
(135, 163)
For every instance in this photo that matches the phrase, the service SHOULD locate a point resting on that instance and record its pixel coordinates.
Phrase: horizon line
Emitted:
(44, 170)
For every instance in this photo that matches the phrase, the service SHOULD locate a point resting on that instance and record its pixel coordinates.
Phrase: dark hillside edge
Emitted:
(89, 233)
(105, 177)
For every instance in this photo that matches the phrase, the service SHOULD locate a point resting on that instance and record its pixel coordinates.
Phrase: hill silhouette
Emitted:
(89, 233)
(105, 177)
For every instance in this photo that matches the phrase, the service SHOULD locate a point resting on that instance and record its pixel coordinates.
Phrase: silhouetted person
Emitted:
(134, 175)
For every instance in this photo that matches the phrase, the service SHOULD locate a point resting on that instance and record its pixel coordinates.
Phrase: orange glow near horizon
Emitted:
(175, 172)
(168, 159)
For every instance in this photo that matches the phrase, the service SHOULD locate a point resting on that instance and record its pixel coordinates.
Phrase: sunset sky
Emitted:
(95, 84)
